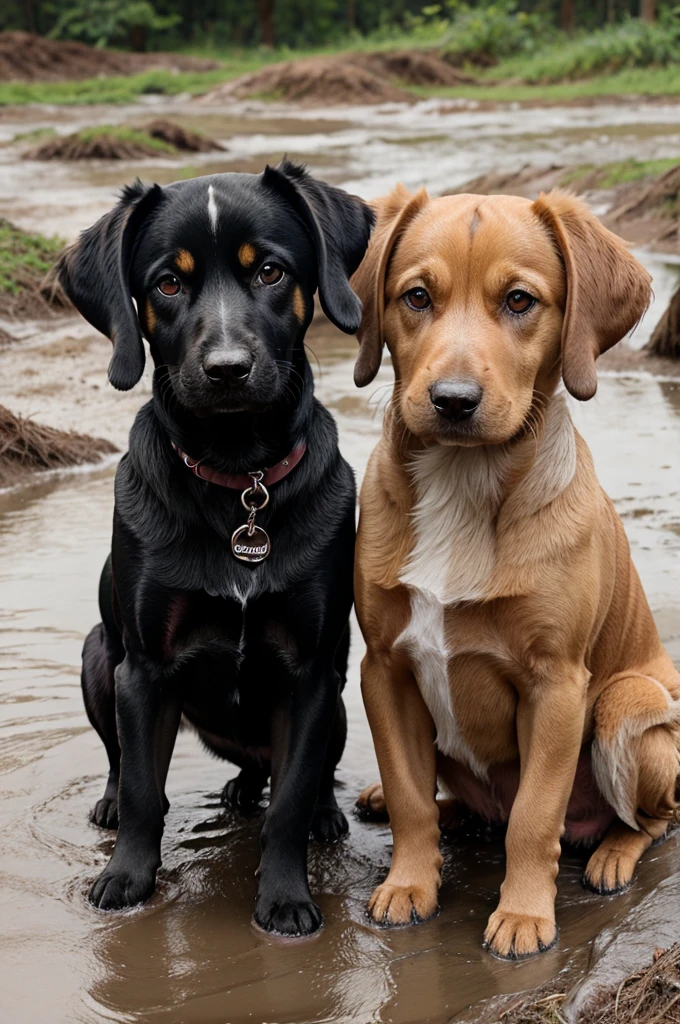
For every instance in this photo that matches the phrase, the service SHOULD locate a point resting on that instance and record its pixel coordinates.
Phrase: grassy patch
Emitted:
(124, 88)
(35, 135)
(634, 82)
(123, 133)
(620, 172)
(25, 257)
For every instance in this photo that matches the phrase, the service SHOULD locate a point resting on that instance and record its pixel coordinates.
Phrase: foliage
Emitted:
(24, 255)
(632, 44)
(111, 22)
(491, 30)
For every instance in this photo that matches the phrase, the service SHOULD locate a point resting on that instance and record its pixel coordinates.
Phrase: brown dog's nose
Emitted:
(455, 399)
(232, 370)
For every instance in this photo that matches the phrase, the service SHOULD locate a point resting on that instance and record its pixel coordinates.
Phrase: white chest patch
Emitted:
(425, 641)
(459, 493)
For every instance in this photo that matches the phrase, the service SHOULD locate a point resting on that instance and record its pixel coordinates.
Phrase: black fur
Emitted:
(254, 656)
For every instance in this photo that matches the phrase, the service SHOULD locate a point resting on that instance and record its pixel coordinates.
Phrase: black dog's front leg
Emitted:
(300, 735)
(148, 719)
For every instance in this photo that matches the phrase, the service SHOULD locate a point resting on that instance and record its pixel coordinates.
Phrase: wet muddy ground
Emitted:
(190, 955)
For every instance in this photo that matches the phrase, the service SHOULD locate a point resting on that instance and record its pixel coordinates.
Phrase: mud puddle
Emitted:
(190, 955)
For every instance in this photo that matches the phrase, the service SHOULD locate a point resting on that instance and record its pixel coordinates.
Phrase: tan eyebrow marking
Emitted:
(150, 317)
(299, 304)
(184, 261)
(247, 254)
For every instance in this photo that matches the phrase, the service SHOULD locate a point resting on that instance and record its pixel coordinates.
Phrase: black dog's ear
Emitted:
(95, 274)
(339, 225)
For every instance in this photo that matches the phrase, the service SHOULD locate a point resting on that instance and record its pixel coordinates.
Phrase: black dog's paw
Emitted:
(329, 825)
(105, 813)
(288, 917)
(117, 890)
(243, 793)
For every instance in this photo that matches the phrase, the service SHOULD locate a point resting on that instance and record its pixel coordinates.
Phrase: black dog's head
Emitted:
(223, 270)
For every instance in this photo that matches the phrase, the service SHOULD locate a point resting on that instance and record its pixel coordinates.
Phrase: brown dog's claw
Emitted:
(371, 804)
(393, 906)
(516, 936)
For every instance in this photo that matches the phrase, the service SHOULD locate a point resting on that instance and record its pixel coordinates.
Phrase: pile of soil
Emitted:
(182, 140)
(34, 292)
(652, 996)
(528, 181)
(410, 67)
(97, 146)
(649, 211)
(110, 144)
(27, 447)
(25, 57)
(312, 82)
(665, 339)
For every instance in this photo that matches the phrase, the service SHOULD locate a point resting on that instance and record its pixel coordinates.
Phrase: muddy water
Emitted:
(190, 955)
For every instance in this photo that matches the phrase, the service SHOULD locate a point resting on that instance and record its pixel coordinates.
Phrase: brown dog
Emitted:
(511, 652)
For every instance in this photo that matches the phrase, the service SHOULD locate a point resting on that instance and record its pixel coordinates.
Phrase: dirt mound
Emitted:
(27, 447)
(28, 287)
(181, 139)
(95, 146)
(528, 181)
(25, 57)
(122, 142)
(410, 67)
(314, 82)
(665, 339)
(648, 212)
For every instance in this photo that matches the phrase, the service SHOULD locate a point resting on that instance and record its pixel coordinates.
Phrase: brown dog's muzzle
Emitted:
(456, 400)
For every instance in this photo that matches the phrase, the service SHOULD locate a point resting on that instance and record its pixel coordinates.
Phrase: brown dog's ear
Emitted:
(95, 274)
(394, 213)
(607, 289)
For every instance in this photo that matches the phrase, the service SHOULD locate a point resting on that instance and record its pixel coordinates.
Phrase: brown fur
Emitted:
(490, 558)
(247, 254)
(184, 261)
(299, 305)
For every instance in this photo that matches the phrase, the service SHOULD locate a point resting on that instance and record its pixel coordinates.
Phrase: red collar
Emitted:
(241, 481)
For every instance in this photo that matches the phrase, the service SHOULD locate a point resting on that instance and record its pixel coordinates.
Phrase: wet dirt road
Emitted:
(190, 956)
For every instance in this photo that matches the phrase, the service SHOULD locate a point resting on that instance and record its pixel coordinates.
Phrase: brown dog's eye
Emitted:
(271, 273)
(519, 301)
(169, 285)
(418, 298)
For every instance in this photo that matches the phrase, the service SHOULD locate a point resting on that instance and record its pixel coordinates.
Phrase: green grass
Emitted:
(619, 172)
(636, 82)
(24, 257)
(124, 133)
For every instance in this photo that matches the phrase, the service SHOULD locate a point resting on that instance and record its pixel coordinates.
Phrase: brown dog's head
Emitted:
(483, 301)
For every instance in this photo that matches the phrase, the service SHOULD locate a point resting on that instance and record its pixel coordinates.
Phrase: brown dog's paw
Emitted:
(371, 804)
(609, 871)
(515, 936)
(394, 905)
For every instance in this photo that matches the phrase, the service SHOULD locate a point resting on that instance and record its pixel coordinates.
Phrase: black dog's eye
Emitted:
(418, 299)
(169, 285)
(271, 273)
(519, 301)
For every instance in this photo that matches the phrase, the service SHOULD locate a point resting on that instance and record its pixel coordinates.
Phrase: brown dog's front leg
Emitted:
(404, 737)
(550, 718)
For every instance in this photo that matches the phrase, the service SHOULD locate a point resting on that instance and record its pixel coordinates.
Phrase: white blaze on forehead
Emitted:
(212, 209)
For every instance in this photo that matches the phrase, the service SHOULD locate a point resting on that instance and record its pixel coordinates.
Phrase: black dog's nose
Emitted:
(223, 368)
(455, 399)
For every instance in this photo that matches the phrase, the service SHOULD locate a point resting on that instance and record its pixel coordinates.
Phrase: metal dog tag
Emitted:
(250, 543)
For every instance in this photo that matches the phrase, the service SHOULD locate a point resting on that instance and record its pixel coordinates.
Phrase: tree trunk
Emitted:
(665, 339)
(265, 10)
(351, 15)
(567, 15)
(29, 15)
(137, 38)
(648, 10)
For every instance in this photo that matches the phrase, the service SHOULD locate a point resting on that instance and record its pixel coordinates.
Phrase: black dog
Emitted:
(224, 601)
